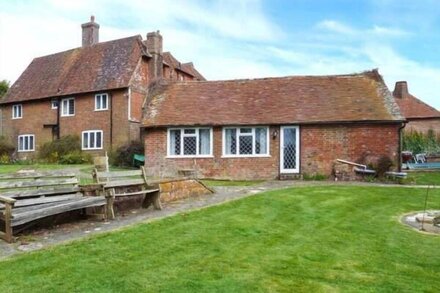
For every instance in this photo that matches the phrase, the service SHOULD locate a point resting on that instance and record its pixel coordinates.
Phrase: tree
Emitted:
(4, 86)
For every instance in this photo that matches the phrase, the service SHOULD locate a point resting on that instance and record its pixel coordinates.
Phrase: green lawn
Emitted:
(424, 178)
(314, 239)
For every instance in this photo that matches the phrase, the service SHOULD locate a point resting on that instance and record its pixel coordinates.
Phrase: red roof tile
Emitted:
(285, 100)
(188, 68)
(106, 65)
(412, 107)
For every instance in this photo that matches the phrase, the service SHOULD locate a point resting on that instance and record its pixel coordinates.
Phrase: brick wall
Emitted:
(320, 146)
(38, 113)
(423, 125)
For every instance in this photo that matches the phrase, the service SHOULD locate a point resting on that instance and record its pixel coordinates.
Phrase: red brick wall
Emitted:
(38, 113)
(320, 146)
(423, 125)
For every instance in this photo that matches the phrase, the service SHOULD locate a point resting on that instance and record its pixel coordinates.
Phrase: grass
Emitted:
(213, 183)
(313, 239)
(424, 177)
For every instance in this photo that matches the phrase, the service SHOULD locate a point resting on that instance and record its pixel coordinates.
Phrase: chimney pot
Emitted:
(90, 32)
(401, 90)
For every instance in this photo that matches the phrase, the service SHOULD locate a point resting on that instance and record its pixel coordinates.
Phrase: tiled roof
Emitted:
(188, 68)
(411, 107)
(106, 65)
(284, 100)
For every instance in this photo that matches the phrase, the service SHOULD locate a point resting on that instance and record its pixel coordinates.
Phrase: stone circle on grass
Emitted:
(428, 221)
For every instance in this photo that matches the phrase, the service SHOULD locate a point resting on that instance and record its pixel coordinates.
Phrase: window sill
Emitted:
(100, 110)
(189, 157)
(17, 118)
(25, 151)
(94, 149)
(67, 115)
(245, 156)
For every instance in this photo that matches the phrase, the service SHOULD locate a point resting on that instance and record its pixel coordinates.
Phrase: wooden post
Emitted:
(9, 237)
(110, 213)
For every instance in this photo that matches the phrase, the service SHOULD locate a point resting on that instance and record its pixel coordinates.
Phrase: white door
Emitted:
(289, 149)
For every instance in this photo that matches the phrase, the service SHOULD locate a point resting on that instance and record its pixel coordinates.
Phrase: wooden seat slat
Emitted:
(145, 191)
(29, 175)
(39, 192)
(59, 208)
(43, 199)
(37, 183)
(116, 174)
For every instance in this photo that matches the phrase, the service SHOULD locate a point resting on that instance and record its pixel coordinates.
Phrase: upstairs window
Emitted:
(26, 143)
(101, 102)
(17, 111)
(92, 140)
(68, 107)
(246, 141)
(190, 142)
(54, 104)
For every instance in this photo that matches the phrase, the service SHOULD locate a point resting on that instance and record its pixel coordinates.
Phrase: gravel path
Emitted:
(78, 229)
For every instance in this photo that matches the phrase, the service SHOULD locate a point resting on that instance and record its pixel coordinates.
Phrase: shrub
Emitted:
(384, 164)
(123, 157)
(315, 177)
(51, 152)
(418, 142)
(75, 157)
(6, 150)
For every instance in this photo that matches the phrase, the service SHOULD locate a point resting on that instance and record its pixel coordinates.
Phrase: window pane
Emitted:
(260, 140)
(245, 145)
(230, 141)
(98, 102)
(19, 110)
(99, 139)
(91, 140)
(175, 142)
(189, 131)
(31, 142)
(71, 106)
(204, 141)
(104, 101)
(245, 130)
(85, 140)
(26, 143)
(20, 143)
(190, 145)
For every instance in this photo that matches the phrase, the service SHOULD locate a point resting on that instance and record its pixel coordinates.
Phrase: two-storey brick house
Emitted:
(95, 91)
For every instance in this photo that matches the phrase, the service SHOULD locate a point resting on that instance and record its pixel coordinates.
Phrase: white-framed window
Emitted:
(246, 141)
(190, 142)
(92, 140)
(101, 102)
(17, 111)
(54, 104)
(26, 143)
(68, 107)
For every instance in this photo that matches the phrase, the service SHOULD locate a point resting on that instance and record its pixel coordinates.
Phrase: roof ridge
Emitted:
(359, 74)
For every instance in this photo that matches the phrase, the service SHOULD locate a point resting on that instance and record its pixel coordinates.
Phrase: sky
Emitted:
(228, 39)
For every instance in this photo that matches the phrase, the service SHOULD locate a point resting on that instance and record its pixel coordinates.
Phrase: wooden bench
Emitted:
(25, 197)
(116, 183)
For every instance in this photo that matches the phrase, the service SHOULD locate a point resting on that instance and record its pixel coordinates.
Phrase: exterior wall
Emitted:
(423, 125)
(320, 146)
(38, 113)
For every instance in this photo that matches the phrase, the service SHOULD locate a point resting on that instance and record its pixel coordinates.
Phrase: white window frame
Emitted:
(54, 104)
(25, 136)
(62, 107)
(101, 96)
(297, 152)
(14, 110)
(197, 135)
(253, 155)
(88, 132)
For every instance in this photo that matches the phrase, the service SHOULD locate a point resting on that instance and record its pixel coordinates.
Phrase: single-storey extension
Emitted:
(271, 127)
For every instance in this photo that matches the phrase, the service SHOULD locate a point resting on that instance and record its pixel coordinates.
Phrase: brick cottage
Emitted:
(95, 91)
(271, 127)
(421, 116)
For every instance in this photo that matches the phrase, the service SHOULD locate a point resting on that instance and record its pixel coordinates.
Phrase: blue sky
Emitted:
(246, 38)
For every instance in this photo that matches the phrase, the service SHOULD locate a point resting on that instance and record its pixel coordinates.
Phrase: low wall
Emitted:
(176, 189)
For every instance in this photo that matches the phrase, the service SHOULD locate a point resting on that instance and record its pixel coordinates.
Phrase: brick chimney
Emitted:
(154, 47)
(90, 32)
(401, 90)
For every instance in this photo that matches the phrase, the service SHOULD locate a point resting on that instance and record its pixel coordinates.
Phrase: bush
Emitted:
(51, 152)
(123, 157)
(384, 164)
(6, 150)
(419, 142)
(66, 150)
